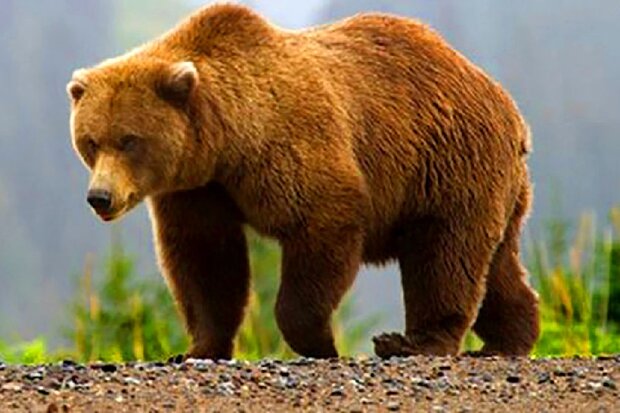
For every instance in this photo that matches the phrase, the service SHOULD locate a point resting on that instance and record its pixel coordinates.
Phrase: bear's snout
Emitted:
(100, 200)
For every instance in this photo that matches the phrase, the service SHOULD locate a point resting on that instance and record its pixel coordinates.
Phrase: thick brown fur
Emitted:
(363, 141)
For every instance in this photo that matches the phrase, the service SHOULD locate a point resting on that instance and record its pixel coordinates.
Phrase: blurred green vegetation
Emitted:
(579, 285)
(578, 281)
(119, 316)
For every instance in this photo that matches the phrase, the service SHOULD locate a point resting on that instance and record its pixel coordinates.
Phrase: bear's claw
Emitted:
(393, 344)
(177, 359)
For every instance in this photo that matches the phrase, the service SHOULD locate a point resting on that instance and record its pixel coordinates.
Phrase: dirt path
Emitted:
(459, 384)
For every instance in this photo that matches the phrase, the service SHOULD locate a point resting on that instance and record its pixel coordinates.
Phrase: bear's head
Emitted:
(133, 125)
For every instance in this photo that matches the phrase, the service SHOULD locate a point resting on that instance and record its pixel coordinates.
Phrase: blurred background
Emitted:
(69, 283)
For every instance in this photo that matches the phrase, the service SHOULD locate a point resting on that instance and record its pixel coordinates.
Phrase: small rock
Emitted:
(513, 378)
(443, 383)
(226, 389)
(544, 377)
(42, 390)
(487, 377)
(204, 365)
(108, 368)
(391, 392)
(337, 391)
(290, 383)
(68, 363)
(609, 383)
(34, 375)
(131, 380)
(422, 382)
(303, 361)
(266, 364)
(393, 406)
(12, 387)
(595, 386)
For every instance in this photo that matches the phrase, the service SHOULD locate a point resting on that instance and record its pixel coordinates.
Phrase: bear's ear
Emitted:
(76, 86)
(75, 90)
(179, 83)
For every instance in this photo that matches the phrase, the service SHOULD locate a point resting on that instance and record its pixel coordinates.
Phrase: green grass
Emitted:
(27, 352)
(121, 317)
(578, 281)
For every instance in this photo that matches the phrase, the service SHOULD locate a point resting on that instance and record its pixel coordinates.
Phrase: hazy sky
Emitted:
(291, 14)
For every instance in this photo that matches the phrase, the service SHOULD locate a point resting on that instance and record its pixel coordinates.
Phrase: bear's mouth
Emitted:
(108, 216)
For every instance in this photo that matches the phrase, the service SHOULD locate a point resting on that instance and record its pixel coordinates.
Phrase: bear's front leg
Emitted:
(317, 271)
(203, 255)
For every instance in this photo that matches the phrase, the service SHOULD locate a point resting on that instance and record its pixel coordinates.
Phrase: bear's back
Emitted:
(421, 112)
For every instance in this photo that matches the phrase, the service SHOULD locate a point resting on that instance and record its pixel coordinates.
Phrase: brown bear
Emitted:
(362, 141)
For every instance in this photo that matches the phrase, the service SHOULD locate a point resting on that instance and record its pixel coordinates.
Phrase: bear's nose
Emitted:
(100, 200)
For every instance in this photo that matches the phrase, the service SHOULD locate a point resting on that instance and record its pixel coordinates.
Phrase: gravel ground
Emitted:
(459, 384)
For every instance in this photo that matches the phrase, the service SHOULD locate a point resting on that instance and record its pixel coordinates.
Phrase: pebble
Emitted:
(337, 391)
(543, 377)
(226, 389)
(42, 390)
(422, 382)
(131, 380)
(513, 378)
(303, 361)
(108, 368)
(389, 385)
(443, 383)
(204, 365)
(595, 386)
(34, 375)
(16, 387)
(68, 363)
(609, 383)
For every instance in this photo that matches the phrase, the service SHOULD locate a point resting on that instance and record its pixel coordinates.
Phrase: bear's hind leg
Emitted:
(443, 265)
(508, 320)
(203, 254)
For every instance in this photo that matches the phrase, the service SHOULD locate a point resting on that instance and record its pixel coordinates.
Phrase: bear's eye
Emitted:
(128, 143)
(91, 146)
